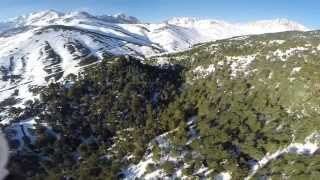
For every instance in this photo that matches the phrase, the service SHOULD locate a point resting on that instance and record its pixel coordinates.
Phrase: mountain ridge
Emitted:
(175, 34)
(57, 14)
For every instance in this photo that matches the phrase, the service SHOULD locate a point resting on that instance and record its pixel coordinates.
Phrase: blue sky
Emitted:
(303, 11)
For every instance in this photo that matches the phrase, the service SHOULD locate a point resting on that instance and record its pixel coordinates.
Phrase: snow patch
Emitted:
(309, 147)
(283, 55)
(295, 70)
(200, 71)
(277, 41)
(223, 176)
(240, 64)
(163, 61)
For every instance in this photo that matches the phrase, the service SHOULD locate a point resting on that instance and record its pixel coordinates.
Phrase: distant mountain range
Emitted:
(171, 35)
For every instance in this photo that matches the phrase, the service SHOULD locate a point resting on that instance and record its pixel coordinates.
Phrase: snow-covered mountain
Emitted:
(48, 45)
(208, 30)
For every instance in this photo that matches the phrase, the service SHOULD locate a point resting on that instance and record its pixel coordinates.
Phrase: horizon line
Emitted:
(198, 18)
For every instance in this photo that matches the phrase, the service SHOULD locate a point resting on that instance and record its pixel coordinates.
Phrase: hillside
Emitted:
(47, 46)
(239, 108)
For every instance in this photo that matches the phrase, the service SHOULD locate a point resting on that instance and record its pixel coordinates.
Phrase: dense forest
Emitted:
(80, 120)
(226, 106)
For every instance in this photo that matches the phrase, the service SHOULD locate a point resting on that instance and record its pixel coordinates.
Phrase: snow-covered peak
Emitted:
(281, 24)
(126, 19)
(78, 14)
(48, 14)
(210, 27)
(120, 18)
(33, 19)
(37, 18)
(276, 25)
(52, 17)
(182, 21)
(203, 30)
(175, 34)
(191, 21)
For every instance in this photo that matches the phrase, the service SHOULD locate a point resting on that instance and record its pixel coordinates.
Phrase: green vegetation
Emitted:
(108, 117)
(106, 105)
(292, 166)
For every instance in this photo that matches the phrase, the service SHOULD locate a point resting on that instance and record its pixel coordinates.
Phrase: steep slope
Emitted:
(47, 46)
(255, 111)
(120, 95)
(239, 108)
